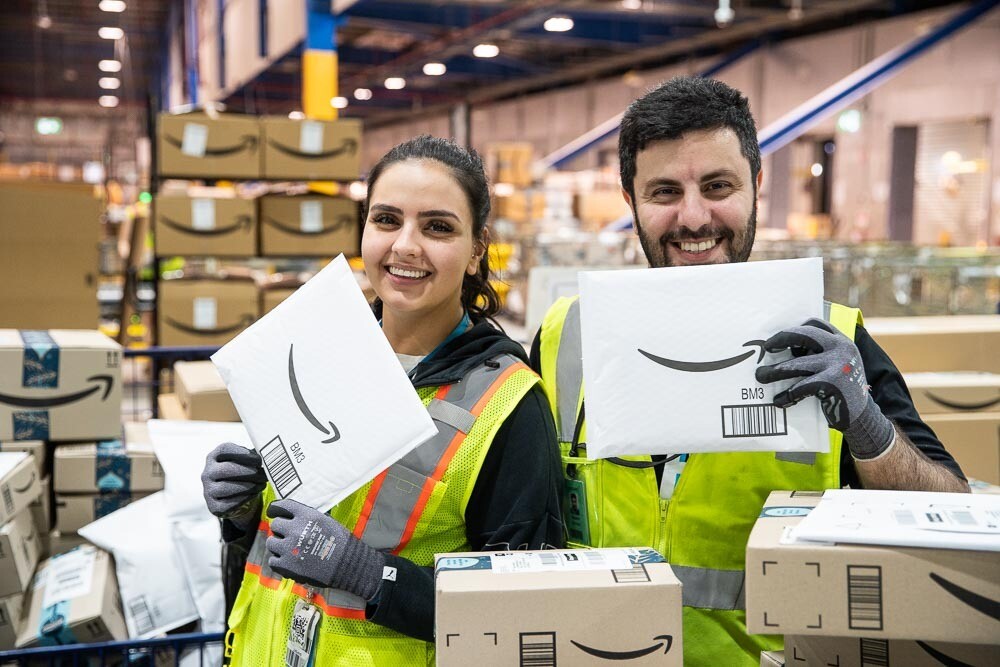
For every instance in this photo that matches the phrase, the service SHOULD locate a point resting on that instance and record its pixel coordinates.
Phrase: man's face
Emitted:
(695, 202)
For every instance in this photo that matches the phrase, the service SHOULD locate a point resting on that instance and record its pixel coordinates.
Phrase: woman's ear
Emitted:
(478, 250)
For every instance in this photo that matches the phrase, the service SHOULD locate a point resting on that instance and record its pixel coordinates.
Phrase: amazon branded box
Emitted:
(973, 439)
(76, 510)
(74, 599)
(865, 591)
(541, 608)
(202, 393)
(10, 618)
(271, 297)
(19, 552)
(309, 226)
(109, 465)
(41, 510)
(940, 393)
(196, 145)
(170, 407)
(510, 162)
(205, 312)
(36, 448)
(59, 385)
(19, 484)
(311, 150)
(803, 651)
(947, 343)
(213, 226)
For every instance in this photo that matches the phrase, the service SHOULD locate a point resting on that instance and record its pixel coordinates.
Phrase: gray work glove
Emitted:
(315, 549)
(232, 480)
(831, 368)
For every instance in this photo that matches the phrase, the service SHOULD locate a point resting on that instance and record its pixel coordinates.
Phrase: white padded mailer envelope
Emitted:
(669, 357)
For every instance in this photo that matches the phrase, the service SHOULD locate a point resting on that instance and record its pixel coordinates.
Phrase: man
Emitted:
(690, 171)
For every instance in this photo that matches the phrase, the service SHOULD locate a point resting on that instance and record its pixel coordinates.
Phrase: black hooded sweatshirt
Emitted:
(514, 503)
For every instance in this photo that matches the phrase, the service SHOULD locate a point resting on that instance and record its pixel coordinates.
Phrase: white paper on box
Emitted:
(10, 460)
(669, 357)
(153, 586)
(203, 214)
(195, 139)
(68, 576)
(311, 216)
(321, 392)
(205, 315)
(903, 518)
(311, 137)
(580, 559)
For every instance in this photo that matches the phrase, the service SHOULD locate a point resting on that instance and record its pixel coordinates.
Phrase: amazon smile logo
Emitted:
(105, 381)
(333, 431)
(970, 407)
(243, 323)
(978, 602)
(347, 146)
(242, 222)
(247, 141)
(343, 221)
(661, 641)
(706, 366)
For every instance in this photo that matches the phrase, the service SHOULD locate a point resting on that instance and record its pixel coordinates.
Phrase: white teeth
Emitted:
(406, 273)
(698, 247)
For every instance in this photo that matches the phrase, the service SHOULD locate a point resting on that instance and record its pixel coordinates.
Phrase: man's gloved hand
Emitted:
(315, 549)
(831, 368)
(232, 480)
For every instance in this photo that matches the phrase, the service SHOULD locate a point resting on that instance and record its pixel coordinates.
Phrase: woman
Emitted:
(355, 586)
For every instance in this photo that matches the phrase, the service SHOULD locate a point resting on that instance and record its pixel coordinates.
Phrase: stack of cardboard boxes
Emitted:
(199, 394)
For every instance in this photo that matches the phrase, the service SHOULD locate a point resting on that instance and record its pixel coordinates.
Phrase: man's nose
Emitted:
(694, 212)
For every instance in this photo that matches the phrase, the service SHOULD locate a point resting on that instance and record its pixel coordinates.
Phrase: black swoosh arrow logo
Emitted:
(963, 406)
(982, 604)
(303, 408)
(627, 655)
(943, 658)
(343, 220)
(705, 366)
(247, 141)
(244, 322)
(242, 221)
(27, 486)
(55, 401)
(346, 146)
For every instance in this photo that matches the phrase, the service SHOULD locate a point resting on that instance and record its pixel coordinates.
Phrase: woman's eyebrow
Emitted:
(387, 209)
(437, 213)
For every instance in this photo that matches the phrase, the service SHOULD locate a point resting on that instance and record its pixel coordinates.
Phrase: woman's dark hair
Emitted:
(466, 167)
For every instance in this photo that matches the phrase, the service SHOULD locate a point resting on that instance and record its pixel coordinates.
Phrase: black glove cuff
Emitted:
(871, 434)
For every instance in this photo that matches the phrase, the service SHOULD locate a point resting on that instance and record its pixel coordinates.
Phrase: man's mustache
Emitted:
(703, 232)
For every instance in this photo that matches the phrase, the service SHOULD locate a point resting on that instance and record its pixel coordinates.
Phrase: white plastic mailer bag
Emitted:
(153, 586)
(669, 357)
(199, 549)
(321, 392)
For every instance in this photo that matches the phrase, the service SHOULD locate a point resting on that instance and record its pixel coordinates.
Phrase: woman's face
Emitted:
(417, 243)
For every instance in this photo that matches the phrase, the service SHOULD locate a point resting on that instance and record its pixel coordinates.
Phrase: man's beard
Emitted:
(740, 243)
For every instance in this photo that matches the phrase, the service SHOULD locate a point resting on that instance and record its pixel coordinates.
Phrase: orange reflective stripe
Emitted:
(305, 594)
(366, 510)
(418, 509)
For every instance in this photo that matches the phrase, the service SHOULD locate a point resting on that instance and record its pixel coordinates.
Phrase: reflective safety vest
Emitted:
(414, 509)
(702, 530)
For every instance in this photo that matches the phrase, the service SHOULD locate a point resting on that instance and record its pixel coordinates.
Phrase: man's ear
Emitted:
(760, 182)
(627, 197)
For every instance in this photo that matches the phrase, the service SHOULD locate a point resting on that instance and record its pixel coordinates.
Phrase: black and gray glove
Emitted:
(315, 549)
(232, 480)
(829, 364)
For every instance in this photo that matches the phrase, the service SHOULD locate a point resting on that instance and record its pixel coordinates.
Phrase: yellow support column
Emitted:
(319, 72)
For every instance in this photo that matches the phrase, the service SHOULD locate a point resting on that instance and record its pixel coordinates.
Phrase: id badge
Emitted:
(575, 511)
(301, 634)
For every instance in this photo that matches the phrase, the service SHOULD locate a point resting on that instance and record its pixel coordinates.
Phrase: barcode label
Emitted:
(864, 597)
(636, 575)
(293, 659)
(753, 421)
(143, 619)
(874, 652)
(538, 649)
(904, 517)
(280, 468)
(8, 500)
(549, 560)
(963, 518)
(594, 559)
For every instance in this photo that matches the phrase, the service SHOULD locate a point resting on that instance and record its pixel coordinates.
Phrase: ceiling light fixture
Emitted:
(435, 69)
(112, 6)
(338, 102)
(631, 4)
(108, 101)
(486, 51)
(110, 66)
(44, 22)
(362, 94)
(558, 24)
(109, 83)
(395, 83)
(111, 33)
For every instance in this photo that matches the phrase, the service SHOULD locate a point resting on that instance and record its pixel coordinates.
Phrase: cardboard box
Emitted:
(309, 226)
(205, 312)
(596, 208)
(214, 226)
(60, 543)
(865, 591)
(36, 448)
(521, 207)
(74, 511)
(202, 393)
(10, 618)
(49, 279)
(487, 614)
(109, 465)
(973, 439)
(311, 150)
(197, 146)
(74, 599)
(19, 553)
(19, 484)
(803, 651)
(510, 163)
(949, 343)
(170, 407)
(41, 509)
(937, 393)
(269, 298)
(772, 659)
(59, 385)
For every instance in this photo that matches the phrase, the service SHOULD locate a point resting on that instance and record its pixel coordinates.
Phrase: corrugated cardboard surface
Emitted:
(947, 343)
(269, 298)
(19, 484)
(935, 393)
(202, 393)
(19, 553)
(178, 232)
(232, 146)
(79, 468)
(865, 591)
(488, 618)
(333, 154)
(34, 447)
(49, 280)
(236, 308)
(802, 651)
(94, 617)
(973, 439)
(10, 617)
(41, 509)
(74, 511)
(170, 407)
(283, 231)
(85, 402)
(772, 659)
